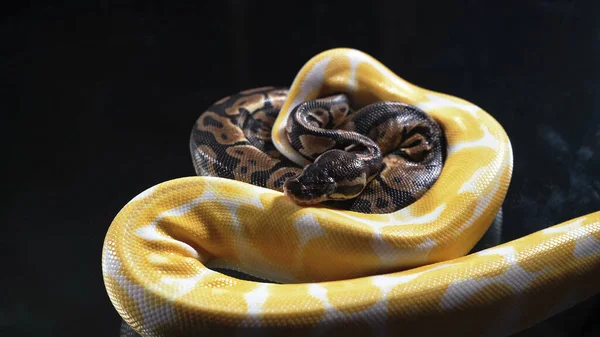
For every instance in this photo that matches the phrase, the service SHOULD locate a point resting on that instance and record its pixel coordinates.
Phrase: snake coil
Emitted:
(232, 139)
(342, 272)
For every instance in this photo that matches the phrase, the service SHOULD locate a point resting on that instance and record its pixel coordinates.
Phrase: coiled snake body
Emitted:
(368, 267)
(232, 139)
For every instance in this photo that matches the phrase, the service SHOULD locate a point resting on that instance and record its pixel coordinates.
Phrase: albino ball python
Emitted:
(343, 272)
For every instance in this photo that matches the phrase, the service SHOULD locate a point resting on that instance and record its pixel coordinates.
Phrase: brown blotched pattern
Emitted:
(381, 157)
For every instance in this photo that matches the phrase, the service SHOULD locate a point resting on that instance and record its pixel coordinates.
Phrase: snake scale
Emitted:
(397, 266)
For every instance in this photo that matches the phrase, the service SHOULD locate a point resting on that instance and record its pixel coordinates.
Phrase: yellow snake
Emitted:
(343, 273)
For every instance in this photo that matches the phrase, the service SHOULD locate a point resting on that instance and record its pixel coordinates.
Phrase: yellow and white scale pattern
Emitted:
(347, 273)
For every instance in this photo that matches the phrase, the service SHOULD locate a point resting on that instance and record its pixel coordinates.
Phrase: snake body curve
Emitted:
(345, 272)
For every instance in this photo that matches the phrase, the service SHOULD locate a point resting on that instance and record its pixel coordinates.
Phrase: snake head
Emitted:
(311, 187)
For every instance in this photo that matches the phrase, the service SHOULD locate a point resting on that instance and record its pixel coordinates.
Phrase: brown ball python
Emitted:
(344, 265)
(232, 139)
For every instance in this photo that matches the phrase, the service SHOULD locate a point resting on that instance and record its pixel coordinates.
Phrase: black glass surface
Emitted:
(98, 104)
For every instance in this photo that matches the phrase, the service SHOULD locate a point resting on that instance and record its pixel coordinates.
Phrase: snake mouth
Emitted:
(307, 194)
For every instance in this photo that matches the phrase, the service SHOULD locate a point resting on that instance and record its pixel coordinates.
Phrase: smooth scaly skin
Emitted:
(157, 248)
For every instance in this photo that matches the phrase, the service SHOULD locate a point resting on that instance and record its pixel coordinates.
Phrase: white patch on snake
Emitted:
(460, 122)
(374, 315)
(232, 207)
(573, 225)
(354, 62)
(156, 258)
(487, 140)
(148, 192)
(387, 254)
(250, 195)
(390, 255)
(181, 286)
(405, 216)
(112, 266)
(483, 202)
(255, 299)
(402, 217)
(151, 233)
(187, 207)
(313, 80)
(587, 246)
(308, 227)
(427, 244)
(207, 195)
(515, 277)
(319, 292)
(154, 313)
(254, 200)
(438, 101)
(474, 185)
(387, 282)
(503, 251)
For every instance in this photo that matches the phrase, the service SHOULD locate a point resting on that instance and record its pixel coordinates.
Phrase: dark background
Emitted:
(98, 103)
